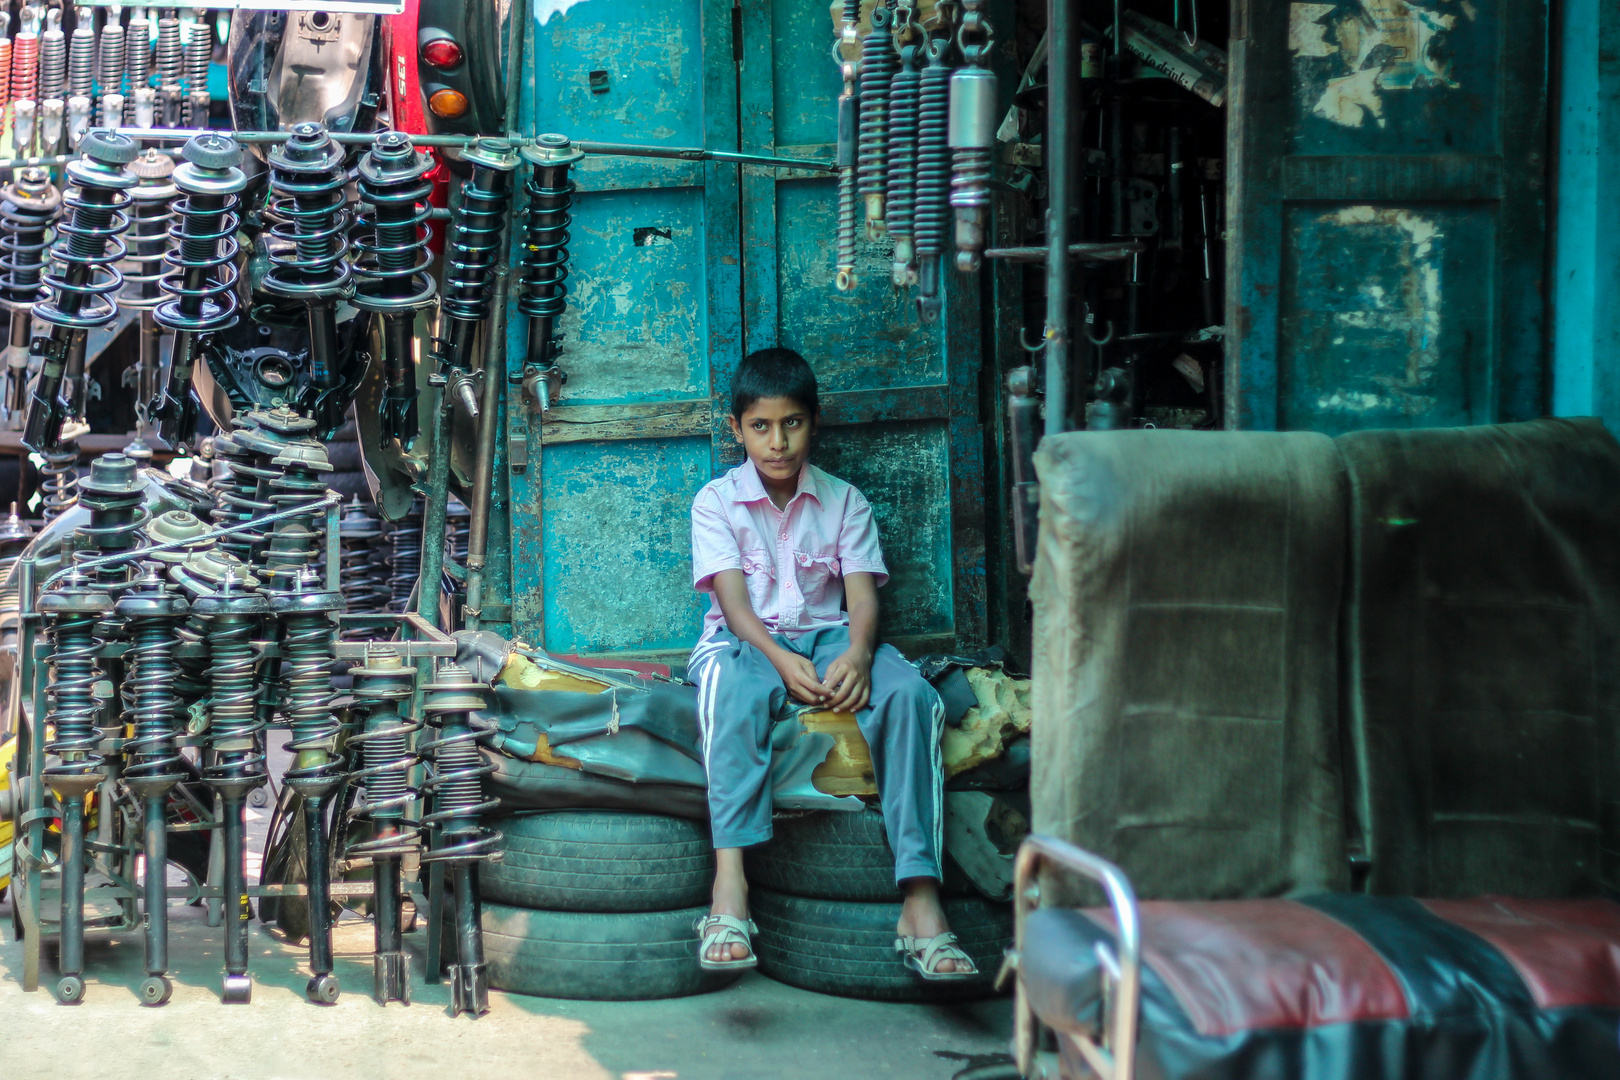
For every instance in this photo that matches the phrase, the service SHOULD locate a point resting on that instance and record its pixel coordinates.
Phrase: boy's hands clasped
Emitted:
(847, 686)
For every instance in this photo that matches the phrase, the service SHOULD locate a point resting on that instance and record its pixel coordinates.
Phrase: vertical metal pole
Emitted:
(1063, 20)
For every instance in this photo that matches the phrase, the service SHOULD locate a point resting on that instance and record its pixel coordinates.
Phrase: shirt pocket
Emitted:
(760, 573)
(819, 576)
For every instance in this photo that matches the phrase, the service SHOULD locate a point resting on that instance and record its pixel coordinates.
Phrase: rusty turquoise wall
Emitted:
(1387, 214)
(677, 269)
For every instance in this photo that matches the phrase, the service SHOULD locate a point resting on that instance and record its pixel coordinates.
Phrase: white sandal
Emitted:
(923, 955)
(725, 930)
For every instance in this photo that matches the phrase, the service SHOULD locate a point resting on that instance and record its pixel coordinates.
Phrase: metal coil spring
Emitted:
(58, 480)
(469, 257)
(82, 60)
(455, 784)
(153, 752)
(297, 485)
(405, 557)
(312, 220)
(364, 575)
(198, 53)
(307, 695)
(23, 238)
(233, 712)
(384, 751)
(235, 496)
(24, 66)
(903, 101)
(202, 237)
(931, 212)
(171, 62)
(109, 70)
(137, 59)
(879, 62)
(391, 235)
(457, 530)
(52, 64)
(545, 249)
(148, 244)
(970, 177)
(89, 234)
(5, 75)
(70, 694)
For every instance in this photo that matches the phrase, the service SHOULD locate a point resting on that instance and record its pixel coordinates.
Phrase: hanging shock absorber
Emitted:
(5, 64)
(153, 764)
(199, 51)
(932, 200)
(81, 77)
(545, 264)
(137, 61)
(972, 135)
(903, 151)
(52, 83)
(317, 769)
(456, 786)
(364, 585)
(80, 294)
(171, 65)
(29, 205)
(847, 53)
(405, 557)
(110, 73)
(307, 176)
(381, 687)
(153, 197)
(71, 611)
(392, 270)
(201, 281)
(469, 258)
(24, 74)
(234, 614)
(879, 62)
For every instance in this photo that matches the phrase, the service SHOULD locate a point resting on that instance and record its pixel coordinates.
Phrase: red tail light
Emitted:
(442, 53)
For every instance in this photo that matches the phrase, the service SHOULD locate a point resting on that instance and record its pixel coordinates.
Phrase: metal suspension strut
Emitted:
(171, 63)
(114, 493)
(29, 205)
(52, 82)
(153, 197)
(202, 277)
(5, 63)
(81, 291)
(110, 77)
(931, 207)
(308, 177)
(847, 53)
(405, 557)
(545, 264)
(972, 135)
(392, 269)
(24, 79)
(137, 62)
(82, 55)
(234, 614)
(903, 93)
(456, 786)
(381, 686)
(71, 611)
(365, 584)
(879, 62)
(153, 764)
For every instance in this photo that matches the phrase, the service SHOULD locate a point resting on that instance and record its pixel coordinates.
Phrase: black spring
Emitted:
(82, 60)
(72, 611)
(199, 51)
(171, 61)
(457, 530)
(904, 92)
(384, 748)
(307, 176)
(391, 237)
(234, 488)
(306, 692)
(544, 296)
(150, 611)
(83, 277)
(469, 256)
(59, 480)
(234, 613)
(363, 574)
(28, 207)
(405, 557)
(931, 212)
(201, 279)
(879, 62)
(52, 64)
(137, 59)
(148, 239)
(455, 781)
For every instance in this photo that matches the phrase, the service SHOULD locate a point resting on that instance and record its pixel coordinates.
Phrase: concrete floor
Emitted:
(754, 1030)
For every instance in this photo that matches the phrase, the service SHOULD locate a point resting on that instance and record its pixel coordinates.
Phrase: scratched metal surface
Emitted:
(1387, 214)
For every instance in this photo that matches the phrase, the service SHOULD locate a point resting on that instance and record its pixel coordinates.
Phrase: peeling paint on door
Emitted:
(1381, 46)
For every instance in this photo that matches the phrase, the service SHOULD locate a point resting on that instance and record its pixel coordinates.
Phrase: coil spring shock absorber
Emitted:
(178, 527)
(365, 589)
(201, 281)
(58, 480)
(307, 176)
(24, 74)
(243, 491)
(392, 267)
(71, 612)
(470, 256)
(456, 787)
(5, 64)
(903, 156)
(381, 686)
(110, 73)
(137, 61)
(115, 496)
(29, 204)
(153, 764)
(972, 135)
(545, 264)
(52, 83)
(199, 51)
(234, 614)
(80, 294)
(296, 542)
(81, 77)
(930, 210)
(305, 616)
(878, 65)
(847, 52)
(148, 240)
(405, 557)
(171, 64)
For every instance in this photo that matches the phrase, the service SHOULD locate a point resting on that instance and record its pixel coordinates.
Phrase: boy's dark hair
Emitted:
(768, 373)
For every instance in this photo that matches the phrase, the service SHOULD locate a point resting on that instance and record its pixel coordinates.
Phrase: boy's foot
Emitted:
(730, 898)
(922, 919)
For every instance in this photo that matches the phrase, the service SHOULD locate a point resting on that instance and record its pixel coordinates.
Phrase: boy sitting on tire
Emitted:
(790, 556)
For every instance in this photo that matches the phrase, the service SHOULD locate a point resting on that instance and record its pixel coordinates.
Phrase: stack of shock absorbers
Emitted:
(175, 628)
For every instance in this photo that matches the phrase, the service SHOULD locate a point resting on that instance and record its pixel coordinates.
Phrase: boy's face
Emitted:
(776, 433)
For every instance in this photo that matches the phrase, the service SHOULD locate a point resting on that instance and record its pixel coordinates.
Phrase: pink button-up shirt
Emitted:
(794, 559)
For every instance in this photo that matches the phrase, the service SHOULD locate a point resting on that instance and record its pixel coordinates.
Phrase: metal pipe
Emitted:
(1093, 253)
(1060, 101)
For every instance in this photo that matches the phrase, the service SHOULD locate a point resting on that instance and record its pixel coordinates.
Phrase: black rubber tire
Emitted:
(601, 860)
(843, 948)
(623, 956)
(834, 855)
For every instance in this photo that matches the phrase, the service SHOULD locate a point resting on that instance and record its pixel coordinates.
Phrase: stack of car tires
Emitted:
(598, 904)
(823, 895)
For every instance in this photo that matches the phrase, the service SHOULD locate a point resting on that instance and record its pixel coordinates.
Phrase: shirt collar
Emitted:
(750, 488)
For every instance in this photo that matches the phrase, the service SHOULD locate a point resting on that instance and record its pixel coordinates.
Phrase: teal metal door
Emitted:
(1387, 216)
(677, 269)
